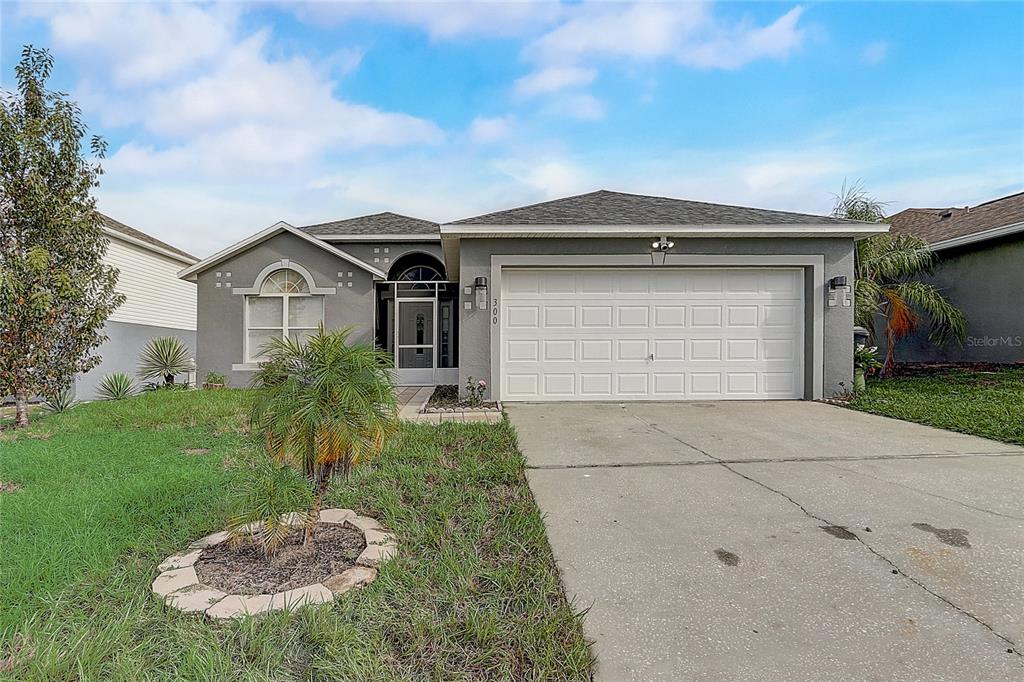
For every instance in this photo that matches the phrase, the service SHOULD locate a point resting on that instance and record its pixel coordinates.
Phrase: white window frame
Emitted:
(284, 328)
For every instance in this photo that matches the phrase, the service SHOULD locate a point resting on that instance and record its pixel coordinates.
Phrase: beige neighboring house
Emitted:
(157, 303)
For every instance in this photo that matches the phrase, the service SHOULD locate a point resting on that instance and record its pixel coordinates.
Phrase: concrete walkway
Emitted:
(781, 541)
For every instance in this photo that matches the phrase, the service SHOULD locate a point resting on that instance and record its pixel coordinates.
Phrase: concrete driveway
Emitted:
(781, 541)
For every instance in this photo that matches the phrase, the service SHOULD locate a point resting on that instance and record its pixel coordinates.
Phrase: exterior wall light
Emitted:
(837, 282)
(480, 289)
(663, 244)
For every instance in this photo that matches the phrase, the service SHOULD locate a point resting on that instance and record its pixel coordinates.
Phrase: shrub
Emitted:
(215, 379)
(61, 402)
(265, 496)
(163, 358)
(116, 386)
(475, 391)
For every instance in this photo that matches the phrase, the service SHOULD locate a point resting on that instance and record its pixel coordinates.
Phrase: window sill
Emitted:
(245, 367)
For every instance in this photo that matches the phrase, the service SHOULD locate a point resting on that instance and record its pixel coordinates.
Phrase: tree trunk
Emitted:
(890, 354)
(169, 380)
(323, 482)
(20, 410)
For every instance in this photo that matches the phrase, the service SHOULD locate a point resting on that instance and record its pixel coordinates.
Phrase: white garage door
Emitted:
(652, 334)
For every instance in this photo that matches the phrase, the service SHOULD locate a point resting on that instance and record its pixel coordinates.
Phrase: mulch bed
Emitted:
(918, 369)
(446, 396)
(246, 570)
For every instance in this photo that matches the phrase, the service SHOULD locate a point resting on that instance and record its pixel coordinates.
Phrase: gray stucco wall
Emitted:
(369, 251)
(475, 261)
(221, 334)
(984, 281)
(120, 353)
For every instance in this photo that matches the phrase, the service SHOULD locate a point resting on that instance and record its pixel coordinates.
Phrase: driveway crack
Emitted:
(925, 492)
(896, 569)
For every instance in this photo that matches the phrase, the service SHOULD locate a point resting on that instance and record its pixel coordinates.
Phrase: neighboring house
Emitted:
(157, 302)
(602, 296)
(980, 268)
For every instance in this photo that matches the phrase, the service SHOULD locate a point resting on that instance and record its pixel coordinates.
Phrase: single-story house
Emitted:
(979, 265)
(601, 296)
(157, 302)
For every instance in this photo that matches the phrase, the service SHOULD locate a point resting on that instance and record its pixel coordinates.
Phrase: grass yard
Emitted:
(981, 403)
(108, 490)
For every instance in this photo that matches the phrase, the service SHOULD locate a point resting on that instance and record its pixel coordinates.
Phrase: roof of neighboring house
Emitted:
(936, 225)
(139, 236)
(605, 207)
(384, 224)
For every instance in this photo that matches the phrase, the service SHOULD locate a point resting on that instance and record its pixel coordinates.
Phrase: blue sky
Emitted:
(224, 118)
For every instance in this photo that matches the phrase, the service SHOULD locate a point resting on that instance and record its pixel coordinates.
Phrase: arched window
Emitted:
(420, 273)
(284, 308)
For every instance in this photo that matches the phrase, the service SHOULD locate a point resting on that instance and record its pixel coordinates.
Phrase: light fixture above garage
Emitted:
(663, 244)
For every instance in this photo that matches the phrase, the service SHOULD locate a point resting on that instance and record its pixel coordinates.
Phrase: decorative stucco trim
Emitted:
(277, 228)
(285, 264)
(815, 363)
(964, 240)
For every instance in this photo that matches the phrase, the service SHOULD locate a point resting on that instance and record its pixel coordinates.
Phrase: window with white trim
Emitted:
(283, 308)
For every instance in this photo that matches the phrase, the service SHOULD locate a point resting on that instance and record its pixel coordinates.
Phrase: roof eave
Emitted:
(854, 230)
(975, 237)
(117, 234)
(412, 237)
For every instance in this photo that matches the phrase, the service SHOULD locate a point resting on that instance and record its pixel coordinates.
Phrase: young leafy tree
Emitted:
(55, 291)
(888, 287)
(323, 406)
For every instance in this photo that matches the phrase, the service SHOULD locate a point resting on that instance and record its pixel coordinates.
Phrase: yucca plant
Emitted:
(61, 402)
(116, 386)
(163, 358)
(323, 407)
(265, 497)
(887, 286)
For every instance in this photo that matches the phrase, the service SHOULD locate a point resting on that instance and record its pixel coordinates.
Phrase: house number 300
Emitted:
(494, 311)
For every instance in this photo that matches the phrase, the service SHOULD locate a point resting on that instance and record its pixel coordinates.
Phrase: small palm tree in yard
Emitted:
(322, 407)
(887, 286)
(163, 358)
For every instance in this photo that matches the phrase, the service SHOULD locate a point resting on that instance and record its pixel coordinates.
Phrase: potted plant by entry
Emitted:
(215, 380)
(865, 361)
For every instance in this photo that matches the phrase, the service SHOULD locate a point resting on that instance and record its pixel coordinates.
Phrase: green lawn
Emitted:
(982, 403)
(107, 492)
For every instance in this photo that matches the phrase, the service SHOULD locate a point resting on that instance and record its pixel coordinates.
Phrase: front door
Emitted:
(414, 341)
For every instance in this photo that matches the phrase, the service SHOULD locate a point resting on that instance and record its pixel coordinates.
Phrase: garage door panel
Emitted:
(652, 334)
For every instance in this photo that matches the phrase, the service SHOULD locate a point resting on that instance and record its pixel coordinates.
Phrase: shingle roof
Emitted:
(142, 236)
(939, 224)
(605, 207)
(377, 223)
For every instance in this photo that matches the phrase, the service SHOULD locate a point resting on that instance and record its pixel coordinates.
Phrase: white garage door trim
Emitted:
(812, 362)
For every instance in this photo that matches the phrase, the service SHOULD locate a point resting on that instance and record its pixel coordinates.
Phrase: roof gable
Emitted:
(605, 207)
(272, 231)
(937, 225)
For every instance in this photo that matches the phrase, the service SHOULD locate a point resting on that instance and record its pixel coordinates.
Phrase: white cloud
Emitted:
(485, 130)
(735, 46)
(581, 106)
(686, 32)
(553, 79)
(139, 43)
(441, 20)
(551, 178)
(875, 53)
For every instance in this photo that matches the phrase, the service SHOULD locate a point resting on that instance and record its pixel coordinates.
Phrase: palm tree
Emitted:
(324, 407)
(887, 287)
